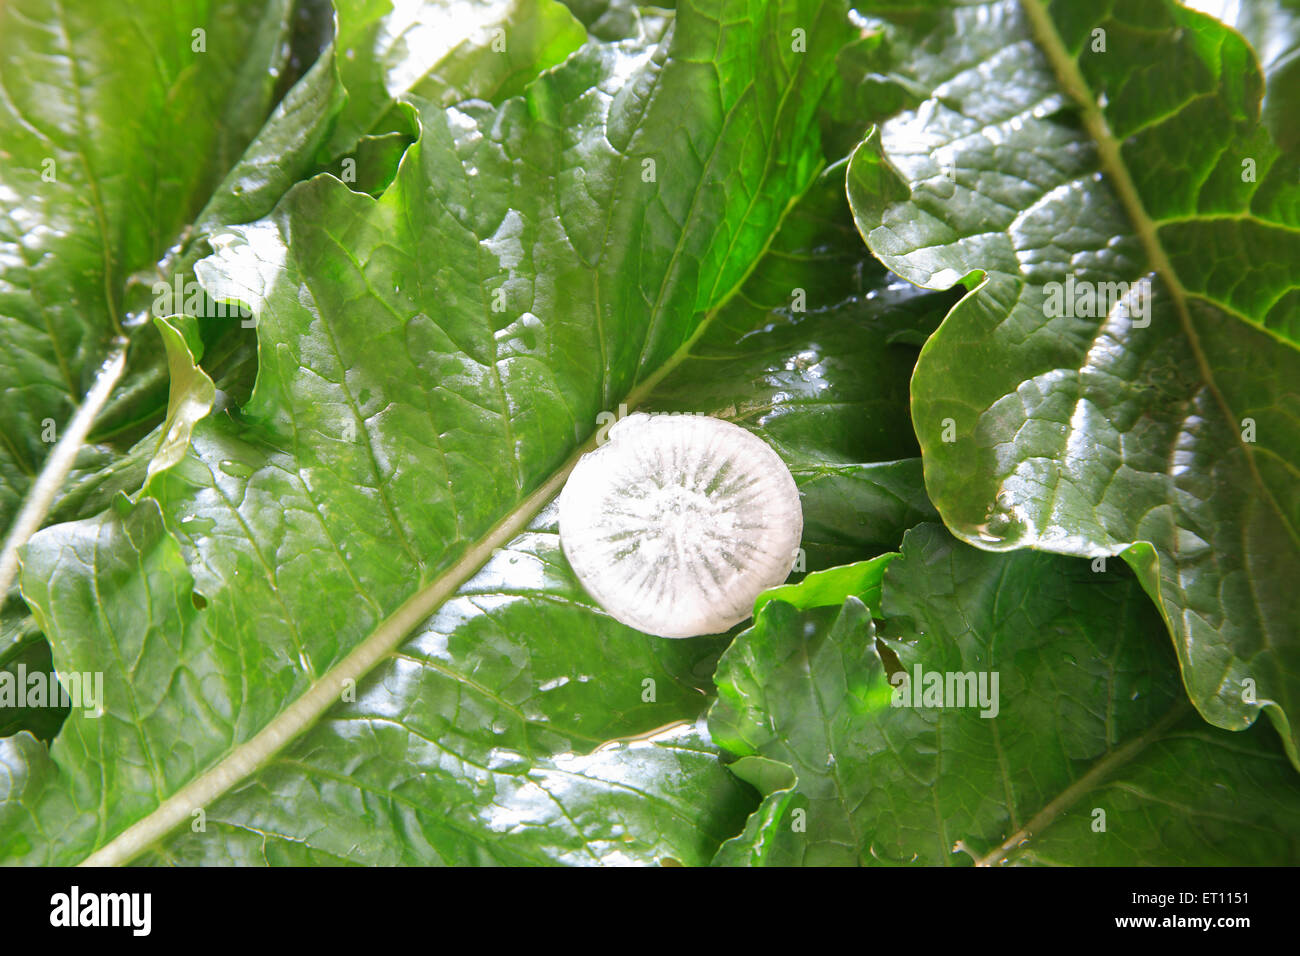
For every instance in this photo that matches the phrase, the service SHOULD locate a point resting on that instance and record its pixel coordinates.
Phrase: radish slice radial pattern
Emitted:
(677, 522)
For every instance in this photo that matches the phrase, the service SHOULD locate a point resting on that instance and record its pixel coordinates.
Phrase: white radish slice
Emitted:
(677, 522)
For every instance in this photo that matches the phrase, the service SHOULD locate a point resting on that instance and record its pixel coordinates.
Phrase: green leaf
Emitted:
(1091, 728)
(617, 19)
(192, 392)
(1273, 29)
(131, 439)
(107, 155)
(829, 588)
(1166, 436)
(285, 150)
(401, 431)
(814, 356)
(348, 104)
(441, 52)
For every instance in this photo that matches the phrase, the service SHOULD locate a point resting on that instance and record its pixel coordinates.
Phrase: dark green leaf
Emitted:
(1091, 755)
(1165, 436)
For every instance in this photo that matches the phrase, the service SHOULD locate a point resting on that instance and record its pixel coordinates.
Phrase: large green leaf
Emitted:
(1094, 756)
(1169, 438)
(402, 430)
(290, 145)
(473, 743)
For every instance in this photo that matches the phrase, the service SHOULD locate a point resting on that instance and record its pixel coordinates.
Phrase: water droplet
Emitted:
(998, 523)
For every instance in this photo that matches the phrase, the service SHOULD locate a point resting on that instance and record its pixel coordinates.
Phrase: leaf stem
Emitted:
(50, 480)
(248, 757)
(1111, 762)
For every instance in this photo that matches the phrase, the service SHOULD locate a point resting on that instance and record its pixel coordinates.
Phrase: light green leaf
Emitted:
(192, 392)
(829, 588)
(1273, 29)
(441, 52)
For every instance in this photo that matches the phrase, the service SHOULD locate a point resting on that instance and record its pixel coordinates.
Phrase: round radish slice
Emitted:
(677, 522)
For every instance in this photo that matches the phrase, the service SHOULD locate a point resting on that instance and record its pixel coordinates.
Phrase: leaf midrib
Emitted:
(1097, 773)
(245, 759)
